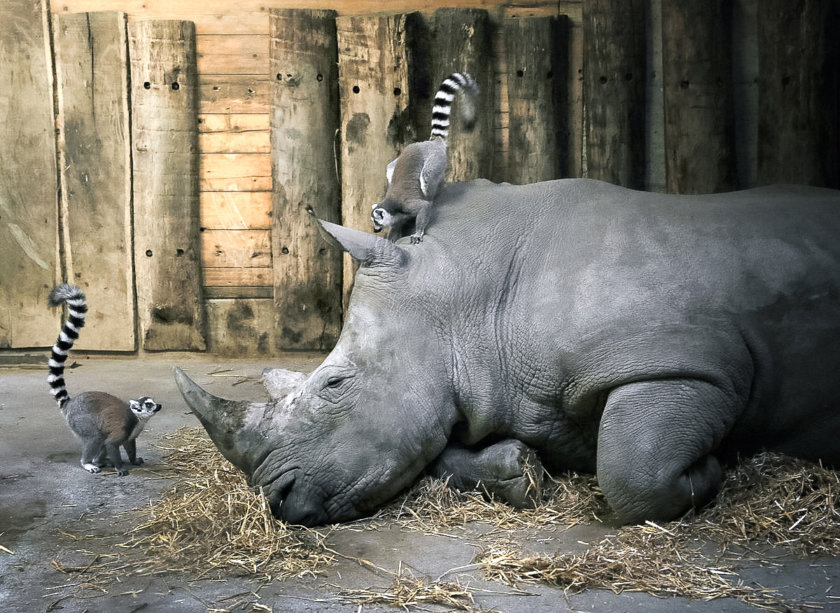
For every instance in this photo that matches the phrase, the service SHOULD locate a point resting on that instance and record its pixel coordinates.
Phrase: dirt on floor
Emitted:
(64, 532)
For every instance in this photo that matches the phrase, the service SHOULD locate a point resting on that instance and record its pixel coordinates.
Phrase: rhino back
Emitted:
(587, 284)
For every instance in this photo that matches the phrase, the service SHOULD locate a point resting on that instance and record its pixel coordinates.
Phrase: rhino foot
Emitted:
(509, 471)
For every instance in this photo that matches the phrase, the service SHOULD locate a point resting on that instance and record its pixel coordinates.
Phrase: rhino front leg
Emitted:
(656, 446)
(509, 470)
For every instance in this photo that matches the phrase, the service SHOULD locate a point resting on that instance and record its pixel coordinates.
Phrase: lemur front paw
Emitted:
(91, 468)
(122, 472)
(137, 461)
(417, 237)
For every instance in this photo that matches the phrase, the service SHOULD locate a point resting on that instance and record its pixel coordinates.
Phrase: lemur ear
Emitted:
(369, 249)
(134, 405)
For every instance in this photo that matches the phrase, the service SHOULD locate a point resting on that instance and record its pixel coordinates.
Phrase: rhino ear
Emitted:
(363, 246)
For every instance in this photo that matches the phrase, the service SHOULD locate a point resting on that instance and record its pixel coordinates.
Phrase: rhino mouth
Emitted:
(292, 501)
(280, 489)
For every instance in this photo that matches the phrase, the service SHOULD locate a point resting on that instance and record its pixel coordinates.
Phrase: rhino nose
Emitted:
(293, 505)
(303, 513)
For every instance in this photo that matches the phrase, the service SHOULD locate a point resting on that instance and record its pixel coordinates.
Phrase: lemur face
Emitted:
(144, 408)
(380, 218)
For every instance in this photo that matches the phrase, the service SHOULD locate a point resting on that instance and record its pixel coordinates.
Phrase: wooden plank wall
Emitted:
(165, 180)
(29, 262)
(783, 91)
(91, 53)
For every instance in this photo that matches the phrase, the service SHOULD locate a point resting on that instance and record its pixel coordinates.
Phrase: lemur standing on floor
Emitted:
(103, 422)
(416, 175)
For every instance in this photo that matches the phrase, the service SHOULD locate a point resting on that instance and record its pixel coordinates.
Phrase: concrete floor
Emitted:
(44, 495)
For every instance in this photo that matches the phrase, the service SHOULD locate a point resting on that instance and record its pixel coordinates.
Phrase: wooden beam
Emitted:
(535, 84)
(92, 81)
(614, 90)
(164, 91)
(697, 93)
(463, 42)
(304, 129)
(28, 178)
(799, 92)
(374, 81)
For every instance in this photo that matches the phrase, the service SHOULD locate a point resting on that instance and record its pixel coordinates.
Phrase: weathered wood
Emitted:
(536, 99)
(242, 248)
(799, 92)
(374, 77)
(304, 126)
(235, 210)
(233, 122)
(234, 93)
(463, 42)
(235, 141)
(241, 327)
(243, 291)
(28, 179)
(232, 54)
(238, 277)
(697, 93)
(235, 171)
(92, 82)
(614, 90)
(165, 165)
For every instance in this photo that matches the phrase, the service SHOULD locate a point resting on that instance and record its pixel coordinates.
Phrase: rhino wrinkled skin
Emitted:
(647, 338)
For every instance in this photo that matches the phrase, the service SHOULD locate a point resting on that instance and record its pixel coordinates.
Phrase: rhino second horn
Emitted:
(226, 422)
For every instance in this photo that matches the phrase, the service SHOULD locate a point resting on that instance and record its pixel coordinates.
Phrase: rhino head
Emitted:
(364, 424)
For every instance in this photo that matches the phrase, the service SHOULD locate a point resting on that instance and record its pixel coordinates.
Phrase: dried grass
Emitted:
(214, 524)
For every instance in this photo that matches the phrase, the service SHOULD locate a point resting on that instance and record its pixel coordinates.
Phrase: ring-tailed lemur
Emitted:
(416, 175)
(103, 422)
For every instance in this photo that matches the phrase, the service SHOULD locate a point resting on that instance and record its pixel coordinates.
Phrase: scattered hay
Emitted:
(433, 507)
(779, 500)
(771, 499)
(407, 590)
(213, 524)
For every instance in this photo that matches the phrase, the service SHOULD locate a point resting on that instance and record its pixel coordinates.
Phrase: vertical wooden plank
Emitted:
(164, 105)
(799, 92)
(304, 130)
(92, 83)
(697, 82)
(374, 74)
(614, 90)
(536, 98)
(28, 180)
(463, 42)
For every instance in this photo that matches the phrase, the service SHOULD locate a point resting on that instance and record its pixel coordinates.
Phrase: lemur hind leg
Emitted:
(91, 455)
(508, 470)
(424, 214)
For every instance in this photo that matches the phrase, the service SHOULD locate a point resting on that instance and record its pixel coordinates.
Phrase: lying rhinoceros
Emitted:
(646, 337)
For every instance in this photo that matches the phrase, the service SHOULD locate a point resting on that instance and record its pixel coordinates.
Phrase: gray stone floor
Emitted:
(45, 495)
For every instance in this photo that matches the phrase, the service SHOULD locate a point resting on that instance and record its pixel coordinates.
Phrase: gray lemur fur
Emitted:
(101, 421)
(415, 177)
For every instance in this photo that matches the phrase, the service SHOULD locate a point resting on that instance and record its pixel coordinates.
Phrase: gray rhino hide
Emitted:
(648, 338)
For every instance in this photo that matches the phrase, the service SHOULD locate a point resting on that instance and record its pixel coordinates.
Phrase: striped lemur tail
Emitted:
(457, 81)
(76, 310)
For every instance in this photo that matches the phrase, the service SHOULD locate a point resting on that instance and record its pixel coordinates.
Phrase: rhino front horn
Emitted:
(366, 248)
(229, 423)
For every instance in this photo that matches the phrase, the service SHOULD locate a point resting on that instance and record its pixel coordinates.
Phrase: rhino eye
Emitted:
(334, 382)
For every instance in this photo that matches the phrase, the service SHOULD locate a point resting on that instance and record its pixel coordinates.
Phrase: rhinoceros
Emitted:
(572, 324)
